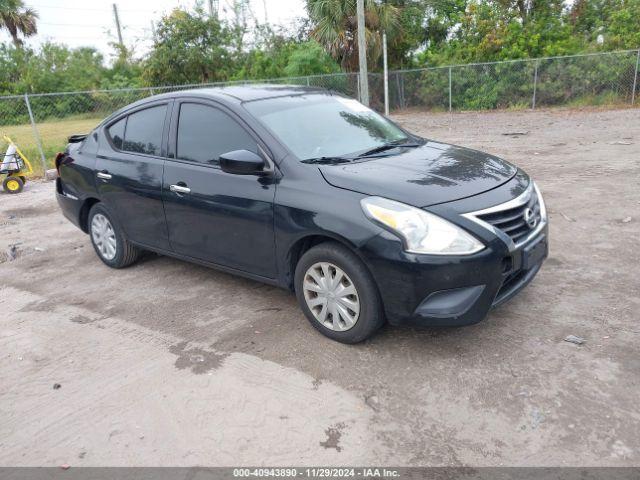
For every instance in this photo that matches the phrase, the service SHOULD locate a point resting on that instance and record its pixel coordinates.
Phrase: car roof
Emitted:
(232, 94)
(247, 93)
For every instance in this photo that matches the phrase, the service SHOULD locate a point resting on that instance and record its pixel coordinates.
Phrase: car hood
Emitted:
(430, 174)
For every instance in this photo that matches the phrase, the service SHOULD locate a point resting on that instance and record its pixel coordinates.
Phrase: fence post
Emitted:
(385, 73)
(635, 80)
(36, 134)
(308, 81)
(450, 100)
(535, 85)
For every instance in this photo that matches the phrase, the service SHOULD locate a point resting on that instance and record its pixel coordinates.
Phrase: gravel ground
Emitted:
(167, 363)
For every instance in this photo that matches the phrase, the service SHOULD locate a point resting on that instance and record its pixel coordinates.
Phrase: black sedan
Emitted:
(313, 192)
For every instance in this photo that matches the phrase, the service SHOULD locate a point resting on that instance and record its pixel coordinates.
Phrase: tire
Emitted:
(24, 179)
(12, 184)
(313, 293)
(110, 244)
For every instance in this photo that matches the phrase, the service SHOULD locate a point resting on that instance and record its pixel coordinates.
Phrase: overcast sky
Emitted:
(91, 22)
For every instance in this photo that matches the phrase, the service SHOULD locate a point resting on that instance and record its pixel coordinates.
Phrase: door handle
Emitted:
(179, 189)
(104, 175)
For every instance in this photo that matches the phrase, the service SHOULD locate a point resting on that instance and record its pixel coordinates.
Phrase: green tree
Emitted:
(529, 10)
(12, 61)
(309, 58)
(126, 70)
(335, 27)
(618, 21)
(268, 56)
(410, 34)
(623, 27)
(58, 68)
(191, 47)
(504, 29)
(18, 20)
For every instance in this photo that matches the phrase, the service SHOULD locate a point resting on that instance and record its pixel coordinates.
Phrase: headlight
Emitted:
(422, 232)
(543, 208)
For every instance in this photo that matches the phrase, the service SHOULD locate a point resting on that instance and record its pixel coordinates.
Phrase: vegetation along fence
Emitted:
(41, 123)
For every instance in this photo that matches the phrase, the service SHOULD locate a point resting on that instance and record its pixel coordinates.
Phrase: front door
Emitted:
(216, 216)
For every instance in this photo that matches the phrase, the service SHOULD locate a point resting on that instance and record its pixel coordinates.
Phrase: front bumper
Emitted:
(435, 290)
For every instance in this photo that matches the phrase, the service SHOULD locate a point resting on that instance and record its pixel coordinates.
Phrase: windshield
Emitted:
(315, 126)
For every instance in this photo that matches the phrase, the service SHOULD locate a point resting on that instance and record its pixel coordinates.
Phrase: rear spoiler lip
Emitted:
(77, 138)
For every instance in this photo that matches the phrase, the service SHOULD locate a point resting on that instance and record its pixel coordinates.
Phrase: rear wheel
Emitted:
(337, 293)
(109, 240)
(13, 184)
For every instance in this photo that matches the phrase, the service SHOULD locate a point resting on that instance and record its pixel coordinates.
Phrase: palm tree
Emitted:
(18, 19)
(335, 26)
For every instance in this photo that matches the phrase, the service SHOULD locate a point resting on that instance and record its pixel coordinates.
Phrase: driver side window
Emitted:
(205, 133)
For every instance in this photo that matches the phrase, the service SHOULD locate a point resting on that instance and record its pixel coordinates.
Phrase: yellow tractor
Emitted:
(16, 167)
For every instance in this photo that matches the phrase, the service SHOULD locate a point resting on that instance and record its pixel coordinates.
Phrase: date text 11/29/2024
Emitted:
(316, 472)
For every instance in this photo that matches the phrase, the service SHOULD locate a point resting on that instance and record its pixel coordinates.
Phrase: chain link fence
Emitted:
(41, 123)
(593, 79)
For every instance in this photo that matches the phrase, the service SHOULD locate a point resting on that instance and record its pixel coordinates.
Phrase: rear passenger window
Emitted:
(116, 132)
(144, 131)
(205, 133)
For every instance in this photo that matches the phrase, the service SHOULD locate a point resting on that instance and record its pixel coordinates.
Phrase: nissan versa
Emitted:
(310, 191)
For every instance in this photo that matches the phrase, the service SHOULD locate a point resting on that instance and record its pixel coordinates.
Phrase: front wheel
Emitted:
(337, 293)
(109, 240)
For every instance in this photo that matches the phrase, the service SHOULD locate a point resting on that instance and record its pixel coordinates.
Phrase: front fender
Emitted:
(330, 212)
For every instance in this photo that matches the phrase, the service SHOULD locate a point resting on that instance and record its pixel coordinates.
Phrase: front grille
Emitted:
(513, 221)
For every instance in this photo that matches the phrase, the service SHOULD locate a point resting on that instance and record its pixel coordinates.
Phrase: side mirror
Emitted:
(242, 162)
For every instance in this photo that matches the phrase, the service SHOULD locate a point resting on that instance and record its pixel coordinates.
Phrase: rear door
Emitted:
(129, 172)
(223, 218)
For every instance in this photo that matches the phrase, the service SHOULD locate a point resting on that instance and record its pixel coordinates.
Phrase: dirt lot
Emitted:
(168, 363)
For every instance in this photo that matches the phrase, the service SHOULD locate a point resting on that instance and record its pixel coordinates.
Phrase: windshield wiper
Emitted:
(389, 146)
(328, 160)
(334, 160)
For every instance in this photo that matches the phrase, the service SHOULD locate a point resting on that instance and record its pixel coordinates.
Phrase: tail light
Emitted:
(58, 161)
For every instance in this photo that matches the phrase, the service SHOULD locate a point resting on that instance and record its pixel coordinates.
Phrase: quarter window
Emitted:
(116, 132)
(205, 133)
